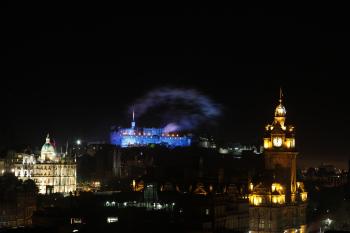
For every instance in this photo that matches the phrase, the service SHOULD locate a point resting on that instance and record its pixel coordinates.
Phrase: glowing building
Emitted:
(52, 172)
(134, 137)
(277, 203)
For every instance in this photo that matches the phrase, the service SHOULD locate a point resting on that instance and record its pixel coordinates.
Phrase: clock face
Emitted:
(277, 141)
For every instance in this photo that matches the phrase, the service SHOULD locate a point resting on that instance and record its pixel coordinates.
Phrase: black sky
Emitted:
(74, 70)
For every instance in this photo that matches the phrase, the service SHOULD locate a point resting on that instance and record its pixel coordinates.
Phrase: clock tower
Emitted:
(280, 152)
(277, 201)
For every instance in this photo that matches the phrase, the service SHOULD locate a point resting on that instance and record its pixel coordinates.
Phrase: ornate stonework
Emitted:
(52, 172)
(277, 202)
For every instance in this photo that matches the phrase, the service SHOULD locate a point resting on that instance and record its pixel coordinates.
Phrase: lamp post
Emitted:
(326, 224)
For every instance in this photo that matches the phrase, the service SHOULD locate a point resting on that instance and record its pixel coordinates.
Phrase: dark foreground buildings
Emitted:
(154, 188)
(17, 201)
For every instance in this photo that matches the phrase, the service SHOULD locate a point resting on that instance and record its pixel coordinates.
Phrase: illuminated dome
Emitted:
(280, 111)
(48, 150)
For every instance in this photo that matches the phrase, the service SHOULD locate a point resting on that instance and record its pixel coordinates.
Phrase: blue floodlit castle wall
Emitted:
(131, 137)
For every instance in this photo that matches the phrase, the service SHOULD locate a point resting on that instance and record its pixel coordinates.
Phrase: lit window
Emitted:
(255, 200)
(206, 211)
(274, 199)
(266, 144)
(112, 219)
(261, 224)
(75, 221)
(304, 196)
(251, 186)
(273, 187)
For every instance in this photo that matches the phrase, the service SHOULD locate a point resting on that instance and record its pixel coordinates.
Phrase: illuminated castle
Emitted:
(277, 202)
(134, 137)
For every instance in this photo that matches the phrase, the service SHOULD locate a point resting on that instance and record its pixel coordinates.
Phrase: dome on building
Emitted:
(48, 151)
(280, 111)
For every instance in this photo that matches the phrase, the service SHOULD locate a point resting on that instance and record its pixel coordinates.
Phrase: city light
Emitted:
(328, 221)
(140, 137)
(112, 219)
(179, 127)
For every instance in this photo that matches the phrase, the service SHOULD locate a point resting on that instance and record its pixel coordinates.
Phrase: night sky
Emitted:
(74, 73)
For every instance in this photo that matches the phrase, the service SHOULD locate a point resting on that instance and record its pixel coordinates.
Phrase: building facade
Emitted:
(131, 137)
(51, 172)
(277, 202)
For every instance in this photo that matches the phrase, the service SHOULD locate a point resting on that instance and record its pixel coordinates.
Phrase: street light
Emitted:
(78, 142)
(326, 224)
(328, 221)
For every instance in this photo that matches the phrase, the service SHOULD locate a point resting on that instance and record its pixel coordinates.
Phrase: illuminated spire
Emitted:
(281, 95)
(280, 111)
(133, 119)
(67, 147)
(47, 138)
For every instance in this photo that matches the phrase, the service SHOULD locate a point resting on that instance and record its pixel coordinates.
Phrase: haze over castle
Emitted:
(212, 146)
(128, 137)
(191, 182)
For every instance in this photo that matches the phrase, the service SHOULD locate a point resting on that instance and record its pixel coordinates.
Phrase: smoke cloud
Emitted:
(184, 109)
